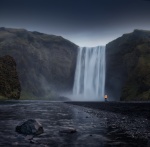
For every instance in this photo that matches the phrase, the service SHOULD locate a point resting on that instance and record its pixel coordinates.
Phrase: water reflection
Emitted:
(91, 131)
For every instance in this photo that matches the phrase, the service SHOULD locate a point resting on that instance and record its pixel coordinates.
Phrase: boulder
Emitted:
(30, 127)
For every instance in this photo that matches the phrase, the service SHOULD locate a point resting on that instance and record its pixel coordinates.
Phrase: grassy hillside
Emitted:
(128, 66)
(45, 63)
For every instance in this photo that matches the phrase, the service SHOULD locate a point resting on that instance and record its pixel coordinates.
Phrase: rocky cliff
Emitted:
(128, 67)
(45, 63)
(9, 82)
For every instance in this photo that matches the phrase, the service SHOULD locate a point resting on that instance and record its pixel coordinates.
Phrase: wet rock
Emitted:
(30, 127)
(29, 137)
(95, 139)
(68, 130)
(113, 126)
(32, 142)
(117, 144)
(123, 118)
(15, 143)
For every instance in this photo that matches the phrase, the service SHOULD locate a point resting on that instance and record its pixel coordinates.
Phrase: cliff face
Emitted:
(128, 67)
(44, 62)
(9, 82)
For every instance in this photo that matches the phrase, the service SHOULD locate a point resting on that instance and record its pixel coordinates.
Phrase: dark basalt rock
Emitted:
(30, 127)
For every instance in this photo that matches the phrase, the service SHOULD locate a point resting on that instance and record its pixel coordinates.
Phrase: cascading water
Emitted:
(89, 81)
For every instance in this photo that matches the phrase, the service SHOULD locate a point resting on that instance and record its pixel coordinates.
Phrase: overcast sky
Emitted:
(84, 22)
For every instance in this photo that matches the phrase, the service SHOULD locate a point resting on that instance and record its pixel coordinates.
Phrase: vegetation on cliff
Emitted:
(128, 66)
(9, 82)
(45, 63)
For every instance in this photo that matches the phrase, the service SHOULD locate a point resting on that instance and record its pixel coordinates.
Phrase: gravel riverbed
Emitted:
(125, 121)
(68, 125)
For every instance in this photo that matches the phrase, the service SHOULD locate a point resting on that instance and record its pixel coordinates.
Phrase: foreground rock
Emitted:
(128, 66)
(9, 81)
(30, 127)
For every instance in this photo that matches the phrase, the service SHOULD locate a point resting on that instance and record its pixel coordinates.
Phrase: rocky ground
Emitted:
(67, 125)
(131, 120)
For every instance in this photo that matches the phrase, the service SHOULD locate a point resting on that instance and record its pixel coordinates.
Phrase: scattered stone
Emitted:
(132, 126)
(68, 130)
(29, 137)
(15, 143)
(117, 144)
(32, 142)
(30, 127)
(113, 126)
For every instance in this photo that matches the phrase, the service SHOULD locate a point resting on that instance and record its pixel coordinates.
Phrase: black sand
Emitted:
(94, 127)
(135, 109)
(127, 120)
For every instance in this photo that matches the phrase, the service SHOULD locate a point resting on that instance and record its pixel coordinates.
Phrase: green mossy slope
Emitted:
(9, 82)
(128, 61)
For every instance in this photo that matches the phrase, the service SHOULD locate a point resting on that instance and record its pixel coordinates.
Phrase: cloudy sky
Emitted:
(84, 22)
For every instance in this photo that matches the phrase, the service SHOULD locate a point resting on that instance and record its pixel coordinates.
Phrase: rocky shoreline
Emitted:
(68, 125)
(127, 122)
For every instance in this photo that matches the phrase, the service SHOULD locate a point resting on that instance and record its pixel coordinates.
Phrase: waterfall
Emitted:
(89, 83)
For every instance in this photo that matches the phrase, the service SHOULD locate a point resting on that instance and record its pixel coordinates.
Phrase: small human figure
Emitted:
(105, 97)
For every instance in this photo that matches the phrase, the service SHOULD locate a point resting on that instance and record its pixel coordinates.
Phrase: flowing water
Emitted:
(90, 73)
